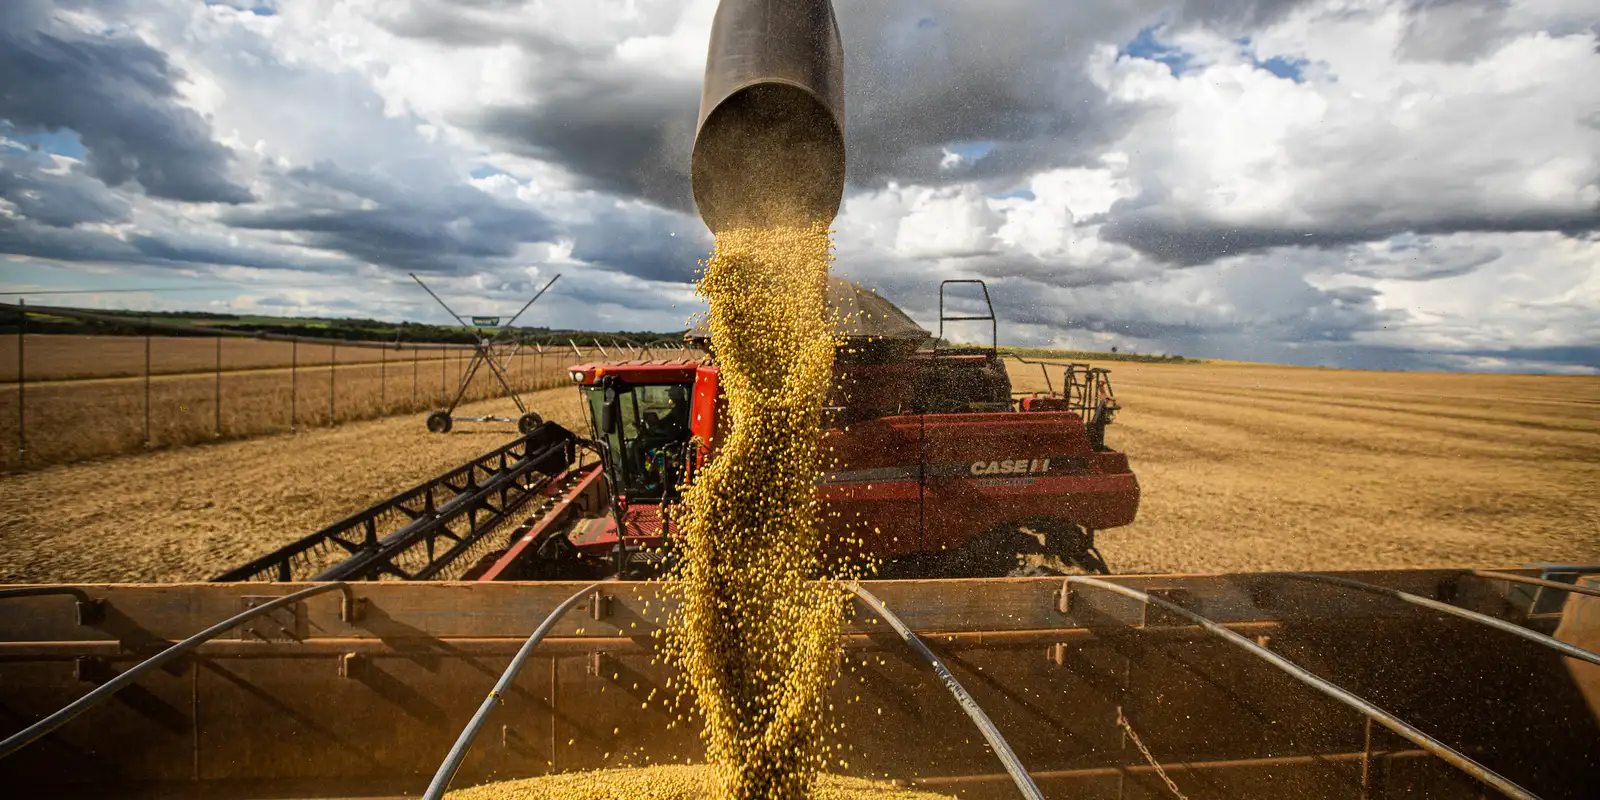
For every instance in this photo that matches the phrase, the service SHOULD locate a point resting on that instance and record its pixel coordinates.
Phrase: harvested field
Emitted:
(1255, 467)
(71, 420)
(69, 357)
(1244, 467)
(189, 514)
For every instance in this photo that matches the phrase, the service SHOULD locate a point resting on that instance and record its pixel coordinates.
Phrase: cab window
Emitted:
(646, 453)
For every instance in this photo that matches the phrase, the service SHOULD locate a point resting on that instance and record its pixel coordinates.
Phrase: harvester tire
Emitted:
(527, 422)
(439, 422)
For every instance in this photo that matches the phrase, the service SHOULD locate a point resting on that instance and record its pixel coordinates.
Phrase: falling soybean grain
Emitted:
(754, 635)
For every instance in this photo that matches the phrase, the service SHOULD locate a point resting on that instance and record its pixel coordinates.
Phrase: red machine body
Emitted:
(897, 484)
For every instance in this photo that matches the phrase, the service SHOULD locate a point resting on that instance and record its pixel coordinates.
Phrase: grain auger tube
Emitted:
(769, 144)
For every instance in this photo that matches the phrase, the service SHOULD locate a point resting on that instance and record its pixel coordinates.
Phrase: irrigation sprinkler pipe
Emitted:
(1445, 752)
(1571, 651)
(1548, 584)
(1019, 773)
(104, 691)
(458, 751)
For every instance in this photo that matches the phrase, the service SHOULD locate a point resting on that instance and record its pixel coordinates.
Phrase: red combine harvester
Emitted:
(939, 470)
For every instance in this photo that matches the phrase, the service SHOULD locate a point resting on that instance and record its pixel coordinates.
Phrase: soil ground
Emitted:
(1243, 467)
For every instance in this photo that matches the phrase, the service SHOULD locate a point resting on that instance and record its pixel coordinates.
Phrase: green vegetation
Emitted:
(1091, 356)
(341, 329)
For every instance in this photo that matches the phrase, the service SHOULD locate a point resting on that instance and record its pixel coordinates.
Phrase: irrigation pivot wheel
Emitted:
(527, 422)
(439, 422)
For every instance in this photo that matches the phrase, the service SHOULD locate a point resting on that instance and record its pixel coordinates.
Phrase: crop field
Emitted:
(1243, 467)
(85, 395)
(67, 357)
(188, 514)
(1255, 467)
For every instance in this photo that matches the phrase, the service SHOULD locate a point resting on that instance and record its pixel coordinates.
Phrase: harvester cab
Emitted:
(642, 428)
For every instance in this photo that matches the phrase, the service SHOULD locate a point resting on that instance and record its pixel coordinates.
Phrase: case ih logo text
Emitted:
(1017, 466)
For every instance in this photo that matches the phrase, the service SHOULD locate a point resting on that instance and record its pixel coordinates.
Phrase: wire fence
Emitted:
(135, 384)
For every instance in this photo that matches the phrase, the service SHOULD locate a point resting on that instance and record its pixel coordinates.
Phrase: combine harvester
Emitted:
(349, 663)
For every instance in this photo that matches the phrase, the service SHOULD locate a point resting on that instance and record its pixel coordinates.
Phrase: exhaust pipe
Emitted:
(769, 145)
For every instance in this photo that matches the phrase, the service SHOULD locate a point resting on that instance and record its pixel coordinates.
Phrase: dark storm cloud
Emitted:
(1006, 78)
(59, 200)
(180, 250)
(1573, 355)
(118, 94)
(645, 242)
(461, 23)
(1262, 300)
(622, 134)
(1419, 259)
(625, 131)
(1183, 239)
(1453, 30)
(1229, 16)
(32, 237)
(450, 228)
(921, 75)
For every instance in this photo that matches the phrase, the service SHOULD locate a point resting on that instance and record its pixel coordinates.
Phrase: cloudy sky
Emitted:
(1410, 185)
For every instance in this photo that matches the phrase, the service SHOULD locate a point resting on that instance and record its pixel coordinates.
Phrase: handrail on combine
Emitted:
(1445, 752)
(458, 751)
(1083, 386)
(1571, 651)
(1013, 765)
(104, 691)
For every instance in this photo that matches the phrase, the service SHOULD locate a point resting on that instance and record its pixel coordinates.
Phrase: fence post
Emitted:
(218, 403)
(22, 378)
(444, 375)
(383, 381)
(147, 382)
(333, 383)
(294, 379)
(416, 356)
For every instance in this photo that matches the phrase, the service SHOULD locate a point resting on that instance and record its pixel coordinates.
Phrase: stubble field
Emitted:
(1244, 467)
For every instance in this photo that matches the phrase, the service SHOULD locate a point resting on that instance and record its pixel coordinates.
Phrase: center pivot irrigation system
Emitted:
(490, 350)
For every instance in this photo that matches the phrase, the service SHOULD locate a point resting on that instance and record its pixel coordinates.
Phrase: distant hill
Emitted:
(324, 327)
(1092, 356)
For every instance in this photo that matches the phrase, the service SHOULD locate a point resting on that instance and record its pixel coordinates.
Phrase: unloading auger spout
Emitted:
(769, 144)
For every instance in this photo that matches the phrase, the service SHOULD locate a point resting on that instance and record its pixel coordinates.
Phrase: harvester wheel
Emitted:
(439, 422)
(527, 422)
